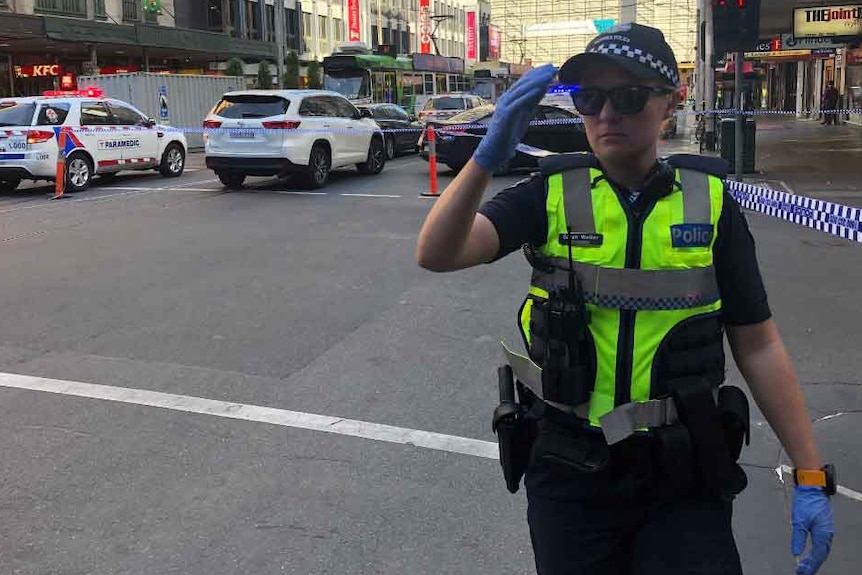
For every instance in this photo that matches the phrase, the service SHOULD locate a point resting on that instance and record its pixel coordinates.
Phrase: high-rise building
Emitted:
(552, 30)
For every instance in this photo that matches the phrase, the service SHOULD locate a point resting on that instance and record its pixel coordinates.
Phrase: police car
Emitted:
(101, 136)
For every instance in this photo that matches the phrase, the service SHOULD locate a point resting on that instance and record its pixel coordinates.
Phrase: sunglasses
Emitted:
(626, 100)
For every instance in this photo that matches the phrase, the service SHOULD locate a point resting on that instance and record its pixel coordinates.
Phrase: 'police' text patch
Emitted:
(691, 235)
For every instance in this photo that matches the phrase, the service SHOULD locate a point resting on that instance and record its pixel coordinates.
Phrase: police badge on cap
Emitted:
(640, 50)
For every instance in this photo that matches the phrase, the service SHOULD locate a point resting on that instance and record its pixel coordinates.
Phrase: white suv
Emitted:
(103, 136)
(279, 132)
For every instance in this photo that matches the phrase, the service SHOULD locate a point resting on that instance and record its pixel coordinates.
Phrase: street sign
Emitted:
(164, 114)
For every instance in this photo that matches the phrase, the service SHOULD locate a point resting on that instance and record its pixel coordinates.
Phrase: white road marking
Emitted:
(283, 417)
(371, 195)
(197, 189)
(293, 192)
(849, 493)
(68, 199)
(195, 183)
(246, 412)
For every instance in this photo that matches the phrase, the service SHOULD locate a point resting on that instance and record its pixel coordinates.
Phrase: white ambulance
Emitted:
(101, 136)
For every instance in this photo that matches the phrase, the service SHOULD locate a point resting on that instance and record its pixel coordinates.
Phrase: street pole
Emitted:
(709, 79)
(379, 25)
(280, 43)
(737, 98)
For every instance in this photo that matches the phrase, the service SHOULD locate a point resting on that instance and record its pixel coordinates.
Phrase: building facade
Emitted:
(553, 31)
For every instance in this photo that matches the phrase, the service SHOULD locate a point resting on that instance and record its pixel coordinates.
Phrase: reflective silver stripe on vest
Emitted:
(618, 424)
(696, 200)
(626, 288)
(578, 200)
(528, 373)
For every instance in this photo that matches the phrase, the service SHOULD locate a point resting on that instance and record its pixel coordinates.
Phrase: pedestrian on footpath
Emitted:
(830, 103)
(640, 266)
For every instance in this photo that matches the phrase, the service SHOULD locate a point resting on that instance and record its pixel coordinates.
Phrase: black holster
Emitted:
(715, 430)
(515, 431)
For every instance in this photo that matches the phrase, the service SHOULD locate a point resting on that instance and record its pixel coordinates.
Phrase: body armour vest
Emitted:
(648, 280)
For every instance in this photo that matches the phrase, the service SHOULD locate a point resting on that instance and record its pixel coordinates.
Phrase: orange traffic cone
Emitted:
(60, 175)
(432, 163)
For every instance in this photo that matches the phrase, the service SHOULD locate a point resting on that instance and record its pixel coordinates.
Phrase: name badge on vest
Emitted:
(691, 235)
(583, 239)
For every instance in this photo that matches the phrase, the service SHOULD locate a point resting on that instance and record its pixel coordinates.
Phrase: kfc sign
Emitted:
(353, 20)
(424, 26)
(38, 71)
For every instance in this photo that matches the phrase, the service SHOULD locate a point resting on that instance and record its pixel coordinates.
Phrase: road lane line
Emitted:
(371, 195)
(281, 417)
(246, 412)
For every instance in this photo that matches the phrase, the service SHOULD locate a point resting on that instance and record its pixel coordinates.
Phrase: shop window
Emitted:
(99, 10)
(321, 20)
(131, 11)
(270, 23)
(64, 7)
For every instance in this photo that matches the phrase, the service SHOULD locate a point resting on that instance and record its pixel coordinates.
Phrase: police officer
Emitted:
(633, 464)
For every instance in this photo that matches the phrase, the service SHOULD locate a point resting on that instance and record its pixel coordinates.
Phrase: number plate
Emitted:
(242, 134)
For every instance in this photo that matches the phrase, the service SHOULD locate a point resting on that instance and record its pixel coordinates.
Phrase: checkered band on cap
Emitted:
(637, 54)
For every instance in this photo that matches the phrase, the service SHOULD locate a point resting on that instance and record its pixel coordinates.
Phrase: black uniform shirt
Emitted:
(519, 216)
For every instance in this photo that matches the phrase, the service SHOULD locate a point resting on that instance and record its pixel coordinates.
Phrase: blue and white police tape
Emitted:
(834, 219)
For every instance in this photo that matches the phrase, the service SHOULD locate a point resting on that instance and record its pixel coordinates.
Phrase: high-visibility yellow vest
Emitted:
(649, 282)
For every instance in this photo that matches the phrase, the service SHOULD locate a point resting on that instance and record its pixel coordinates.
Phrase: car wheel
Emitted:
(173, 161)
(376, 158)
(390, 148)
(9, 184)
(79, 172)
(319, 165)
(231, 180)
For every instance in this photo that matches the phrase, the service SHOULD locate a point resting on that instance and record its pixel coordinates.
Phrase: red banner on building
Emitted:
(493, 43)
(424, 26)
(353, 20)
(471, 35)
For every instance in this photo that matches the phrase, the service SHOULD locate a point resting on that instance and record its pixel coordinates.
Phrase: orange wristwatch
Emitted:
(824, 478)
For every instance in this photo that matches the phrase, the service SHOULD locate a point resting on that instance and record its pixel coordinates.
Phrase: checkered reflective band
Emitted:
(648, 303)
(834, 219)
(638, 54)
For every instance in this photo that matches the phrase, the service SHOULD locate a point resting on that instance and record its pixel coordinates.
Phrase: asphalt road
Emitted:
(312, 303)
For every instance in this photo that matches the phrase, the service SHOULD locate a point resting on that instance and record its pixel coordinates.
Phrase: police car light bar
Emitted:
(563, 89)
(88, 93)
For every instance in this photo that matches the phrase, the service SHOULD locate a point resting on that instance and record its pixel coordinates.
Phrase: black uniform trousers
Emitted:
(626, 518)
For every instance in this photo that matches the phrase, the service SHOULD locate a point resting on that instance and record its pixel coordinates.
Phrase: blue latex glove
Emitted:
(812, 513)
(512, 115)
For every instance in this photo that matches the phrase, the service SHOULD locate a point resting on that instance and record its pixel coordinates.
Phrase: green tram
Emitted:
(404, 80)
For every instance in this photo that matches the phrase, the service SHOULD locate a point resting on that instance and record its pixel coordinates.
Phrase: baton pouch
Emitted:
(735, 418)
(675, 458)
(513, 429)
(699, 412)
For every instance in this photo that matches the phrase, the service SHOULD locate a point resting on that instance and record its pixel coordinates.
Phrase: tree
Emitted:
(314, 75)
(291, 71)
(235, 67)
(264, 76)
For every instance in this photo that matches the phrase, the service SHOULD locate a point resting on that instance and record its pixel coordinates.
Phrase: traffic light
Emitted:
(735, 24)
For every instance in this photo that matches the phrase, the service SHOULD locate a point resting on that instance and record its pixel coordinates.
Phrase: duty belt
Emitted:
(617, 424)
